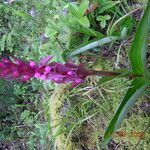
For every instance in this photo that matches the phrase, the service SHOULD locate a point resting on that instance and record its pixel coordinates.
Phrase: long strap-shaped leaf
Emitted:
(138, 63)
(97, 42)
(127, 102)
(139, 46)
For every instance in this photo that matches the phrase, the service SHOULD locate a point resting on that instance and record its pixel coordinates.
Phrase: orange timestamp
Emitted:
(135, 134)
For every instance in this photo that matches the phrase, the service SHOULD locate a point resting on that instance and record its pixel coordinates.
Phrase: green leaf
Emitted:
(107, 17)
(107, 5)
(78, 11)
(18, 13)
(100, 18)
(138, 50)
(83, 7)
(88, 31)
(74, 11)
(121, 20)
(137, 88)
(103, 24)
(97, 42)
(92, 44)
(84, 21)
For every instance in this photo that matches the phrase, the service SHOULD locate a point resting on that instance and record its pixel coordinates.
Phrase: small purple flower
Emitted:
(32, 12)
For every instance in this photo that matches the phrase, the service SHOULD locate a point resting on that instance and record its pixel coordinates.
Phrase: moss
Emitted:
(55, 103)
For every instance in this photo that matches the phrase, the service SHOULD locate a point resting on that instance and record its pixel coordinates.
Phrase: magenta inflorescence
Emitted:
(58, 72)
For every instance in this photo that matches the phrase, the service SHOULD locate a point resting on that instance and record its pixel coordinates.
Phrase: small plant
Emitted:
(103, 20)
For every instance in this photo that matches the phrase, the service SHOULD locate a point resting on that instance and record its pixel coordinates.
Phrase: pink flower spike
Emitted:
(58, 72)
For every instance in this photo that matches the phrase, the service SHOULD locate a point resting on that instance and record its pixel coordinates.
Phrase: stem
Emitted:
(113, 74)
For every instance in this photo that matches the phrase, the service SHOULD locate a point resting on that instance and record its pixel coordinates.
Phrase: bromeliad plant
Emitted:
(60, 73)
(137, 58)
